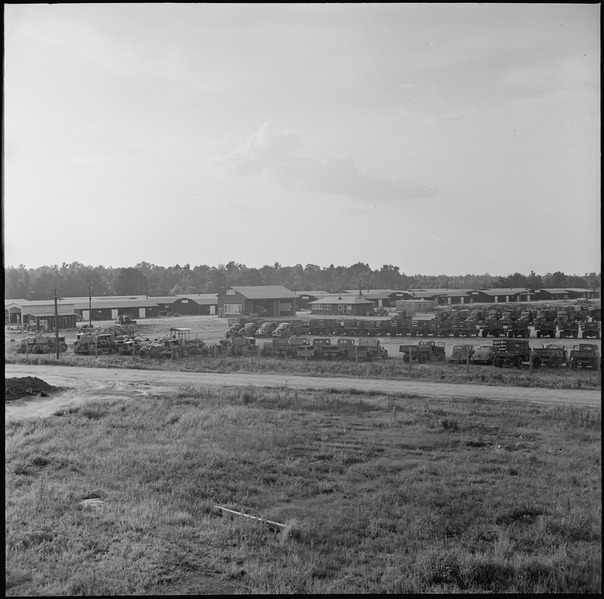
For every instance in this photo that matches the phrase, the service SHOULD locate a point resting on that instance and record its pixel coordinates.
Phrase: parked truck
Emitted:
(568, 328)
(549, 355)
(585, 355)
(423, 351)
(518, 328)
(510, 352)
(590, 329)
(545, 323)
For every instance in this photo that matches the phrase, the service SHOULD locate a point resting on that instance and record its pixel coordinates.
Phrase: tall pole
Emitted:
(57, 327)
(90, 305)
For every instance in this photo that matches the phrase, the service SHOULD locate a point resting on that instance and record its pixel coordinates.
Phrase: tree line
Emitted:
(78, 280)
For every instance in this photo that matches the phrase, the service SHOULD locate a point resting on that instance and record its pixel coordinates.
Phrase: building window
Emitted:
(185, 301)
(230, 292)
(340, 307)
(232, 308)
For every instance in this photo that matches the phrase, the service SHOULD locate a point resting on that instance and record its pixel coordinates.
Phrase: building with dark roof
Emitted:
(187, 304)
(343, 304)
(40, 314)
(263, 300)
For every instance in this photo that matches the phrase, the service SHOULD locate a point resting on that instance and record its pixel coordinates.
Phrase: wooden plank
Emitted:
(236, 513)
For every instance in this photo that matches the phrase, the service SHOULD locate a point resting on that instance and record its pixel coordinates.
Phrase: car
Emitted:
(460, 353)
(484, 354)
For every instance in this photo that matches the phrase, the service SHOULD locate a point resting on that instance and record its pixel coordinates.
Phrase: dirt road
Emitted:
(85, 384)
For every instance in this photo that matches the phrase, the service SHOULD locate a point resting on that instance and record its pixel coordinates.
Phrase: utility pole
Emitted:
(90, 305)
(57, 327)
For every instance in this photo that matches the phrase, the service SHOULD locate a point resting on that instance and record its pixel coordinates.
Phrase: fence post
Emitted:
(530, 361)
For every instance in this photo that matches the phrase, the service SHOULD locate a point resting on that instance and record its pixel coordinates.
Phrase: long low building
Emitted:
(26, 313)
(40, 315)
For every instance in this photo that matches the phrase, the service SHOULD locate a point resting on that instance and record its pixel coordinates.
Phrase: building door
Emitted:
(114, 314)
(213, 310)
(141, 313)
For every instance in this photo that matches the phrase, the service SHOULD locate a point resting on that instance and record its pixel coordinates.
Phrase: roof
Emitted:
(107, 303)
(313, 293)
(502, 291)
(264, 292)
(342, 299)
(47, 310)
(377, 293)
(202, 299)
(554, 290)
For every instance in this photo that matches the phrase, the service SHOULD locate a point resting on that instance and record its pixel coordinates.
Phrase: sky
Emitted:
(440, 138)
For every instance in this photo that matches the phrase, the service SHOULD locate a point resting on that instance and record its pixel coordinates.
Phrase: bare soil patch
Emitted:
(16, 388)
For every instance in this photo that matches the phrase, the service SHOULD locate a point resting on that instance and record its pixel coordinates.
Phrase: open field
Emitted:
(434, 479)
(379, 494)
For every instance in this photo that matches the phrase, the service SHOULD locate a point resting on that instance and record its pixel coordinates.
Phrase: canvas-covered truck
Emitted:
(549, 355)
(510, 352)
(41, 344)
(585, 355)
(591, 329)
(423, 351)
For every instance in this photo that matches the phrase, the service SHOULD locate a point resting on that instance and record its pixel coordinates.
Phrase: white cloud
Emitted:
(275, 152)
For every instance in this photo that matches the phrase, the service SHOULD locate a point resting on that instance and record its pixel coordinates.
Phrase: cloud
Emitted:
(276, 152)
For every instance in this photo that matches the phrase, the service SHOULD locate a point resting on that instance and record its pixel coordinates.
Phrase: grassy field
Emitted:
(379, 494)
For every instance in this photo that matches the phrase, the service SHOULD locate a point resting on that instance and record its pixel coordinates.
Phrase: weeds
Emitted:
(378, 495)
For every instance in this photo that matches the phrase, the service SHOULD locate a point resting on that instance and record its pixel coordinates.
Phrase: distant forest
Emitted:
(75, 279)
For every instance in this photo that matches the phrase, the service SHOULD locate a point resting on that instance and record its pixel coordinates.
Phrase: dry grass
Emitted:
(380, 494)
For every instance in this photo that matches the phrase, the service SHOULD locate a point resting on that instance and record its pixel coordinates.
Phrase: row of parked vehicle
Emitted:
(494, 322)
(507, 352)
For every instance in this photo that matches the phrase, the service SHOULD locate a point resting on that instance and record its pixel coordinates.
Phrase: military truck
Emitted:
(510, 352)
(590, 329)
(585, 355)
(545, 323)
(549, 355)
(423, 351)
(568, 328)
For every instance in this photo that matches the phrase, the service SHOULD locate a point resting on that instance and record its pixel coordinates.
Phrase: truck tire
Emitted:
(538, 334)
(484, 333)
(584, 335)
(573, 364)
(536, 362)
(518, 362)
(498, 362)
(422, 359)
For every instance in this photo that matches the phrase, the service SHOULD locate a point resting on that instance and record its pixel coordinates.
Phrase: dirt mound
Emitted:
(16, 388)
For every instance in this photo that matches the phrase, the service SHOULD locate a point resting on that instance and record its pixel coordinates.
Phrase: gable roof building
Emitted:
(263, 300)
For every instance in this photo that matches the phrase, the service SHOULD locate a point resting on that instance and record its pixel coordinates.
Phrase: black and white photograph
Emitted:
(302, 298)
